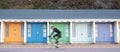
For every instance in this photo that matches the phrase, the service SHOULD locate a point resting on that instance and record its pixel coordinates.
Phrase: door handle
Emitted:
(81, 33)
(14, 29)
(37, 32)
(104, 34)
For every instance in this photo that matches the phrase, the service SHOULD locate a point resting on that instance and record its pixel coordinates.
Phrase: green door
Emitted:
(64, 28)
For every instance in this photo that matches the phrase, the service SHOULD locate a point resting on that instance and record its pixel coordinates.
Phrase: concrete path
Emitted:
(60, 50)
(105, 45)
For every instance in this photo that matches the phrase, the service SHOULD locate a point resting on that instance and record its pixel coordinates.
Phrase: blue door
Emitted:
(36, 33)
(104, 32)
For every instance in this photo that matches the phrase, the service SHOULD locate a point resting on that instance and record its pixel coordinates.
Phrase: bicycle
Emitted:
(60, 45)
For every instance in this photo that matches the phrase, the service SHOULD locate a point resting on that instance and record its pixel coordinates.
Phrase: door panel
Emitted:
(13, 33)
(104, 33)
(37, 33)
(82, 32)
(64, 28)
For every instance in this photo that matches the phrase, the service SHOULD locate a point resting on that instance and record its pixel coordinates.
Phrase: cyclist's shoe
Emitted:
(56, 47)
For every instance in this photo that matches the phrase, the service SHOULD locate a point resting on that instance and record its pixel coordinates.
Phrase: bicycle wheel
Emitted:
(51, 43)
(62, 44)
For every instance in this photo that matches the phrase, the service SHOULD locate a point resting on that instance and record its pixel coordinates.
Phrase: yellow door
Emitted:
(13, 33)
(119, 32)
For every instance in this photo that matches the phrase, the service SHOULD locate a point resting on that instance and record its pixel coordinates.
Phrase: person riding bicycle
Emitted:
(56, 36)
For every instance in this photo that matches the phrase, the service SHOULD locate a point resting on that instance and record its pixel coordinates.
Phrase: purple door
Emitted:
(104, 32)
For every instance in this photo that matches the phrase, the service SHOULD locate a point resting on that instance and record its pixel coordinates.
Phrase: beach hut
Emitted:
(36, 32)
(105, 32)
(64, 28)
(82, 32)
(13, 32)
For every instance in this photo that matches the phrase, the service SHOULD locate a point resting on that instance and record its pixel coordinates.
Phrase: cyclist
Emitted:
(56, 36)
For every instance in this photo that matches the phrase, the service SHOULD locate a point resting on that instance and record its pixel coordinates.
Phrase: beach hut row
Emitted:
(76, 26)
